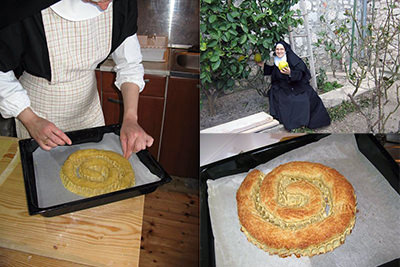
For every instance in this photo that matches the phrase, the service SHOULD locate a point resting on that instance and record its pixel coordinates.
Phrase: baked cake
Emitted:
(299, 208)
(91, 172)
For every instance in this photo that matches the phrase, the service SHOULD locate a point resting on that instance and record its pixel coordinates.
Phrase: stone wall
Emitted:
(334, 10)
(330, 10)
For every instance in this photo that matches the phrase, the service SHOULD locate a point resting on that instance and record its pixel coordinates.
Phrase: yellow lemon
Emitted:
(241, 58)
(257, 57)
(282, 65)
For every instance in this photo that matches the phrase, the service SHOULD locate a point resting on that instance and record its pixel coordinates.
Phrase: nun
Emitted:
(47, 69)
(292, 100)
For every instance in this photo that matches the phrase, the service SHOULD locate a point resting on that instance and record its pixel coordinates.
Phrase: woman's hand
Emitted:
(46, 134)
(133, 137)
(261, 64)
(286, 71)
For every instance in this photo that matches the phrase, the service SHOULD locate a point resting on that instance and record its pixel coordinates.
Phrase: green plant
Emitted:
(303, 130)
(329, 86)
(321, 78)
(339, 112)
(231, 35)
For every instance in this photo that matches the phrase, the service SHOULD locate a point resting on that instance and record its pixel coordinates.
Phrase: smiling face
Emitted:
(280, 50)
(102, 4)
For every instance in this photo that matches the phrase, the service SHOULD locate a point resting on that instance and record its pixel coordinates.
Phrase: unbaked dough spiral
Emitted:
(91, 172)
(299, 208)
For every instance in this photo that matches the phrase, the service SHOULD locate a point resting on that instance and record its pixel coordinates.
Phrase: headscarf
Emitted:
(279, 59)
(294, 60)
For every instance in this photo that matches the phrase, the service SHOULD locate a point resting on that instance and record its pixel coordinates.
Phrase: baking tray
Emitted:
(28, 146)
(368, 145)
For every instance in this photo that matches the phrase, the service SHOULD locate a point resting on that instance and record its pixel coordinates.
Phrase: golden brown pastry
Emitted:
(299, 208)
(91, 172)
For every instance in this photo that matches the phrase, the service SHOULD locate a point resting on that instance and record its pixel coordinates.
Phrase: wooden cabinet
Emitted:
(151, 104)
(179, 153)
(173, 121)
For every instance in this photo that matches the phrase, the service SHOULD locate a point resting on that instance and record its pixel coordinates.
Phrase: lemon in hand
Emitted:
(282, 65)
(257, 57)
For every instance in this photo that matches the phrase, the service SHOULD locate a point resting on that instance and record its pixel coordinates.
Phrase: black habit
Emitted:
(292, 100)
(23, 45)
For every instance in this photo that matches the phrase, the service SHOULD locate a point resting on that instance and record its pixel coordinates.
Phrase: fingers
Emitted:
(135, 142)
(49, 136)
(285, 70)
(59, 137)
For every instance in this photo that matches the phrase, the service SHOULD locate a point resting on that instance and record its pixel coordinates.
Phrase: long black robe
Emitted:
(292, 100)
(23, 45)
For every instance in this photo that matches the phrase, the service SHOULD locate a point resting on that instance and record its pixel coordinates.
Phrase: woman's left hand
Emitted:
(133, 137)
(286, 71)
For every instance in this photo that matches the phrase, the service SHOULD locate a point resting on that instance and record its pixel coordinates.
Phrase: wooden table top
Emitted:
(101, 236)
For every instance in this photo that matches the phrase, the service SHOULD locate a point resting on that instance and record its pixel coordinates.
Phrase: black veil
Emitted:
(294, 60)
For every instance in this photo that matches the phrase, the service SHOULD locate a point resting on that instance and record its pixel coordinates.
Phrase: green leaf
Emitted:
(245, 29)
(235, 14)
(215, 65)
(214, 58)
(266, 44)
(203, 46)
(212, 18)
(229, 17)
(243, 39)
(253, 39)
(212, 43)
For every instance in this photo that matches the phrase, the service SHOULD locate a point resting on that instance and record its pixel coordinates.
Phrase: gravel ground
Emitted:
(244, 103)
(233, 106)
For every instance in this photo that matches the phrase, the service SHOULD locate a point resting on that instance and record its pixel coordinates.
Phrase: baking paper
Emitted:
(47, 166)
(375, 238)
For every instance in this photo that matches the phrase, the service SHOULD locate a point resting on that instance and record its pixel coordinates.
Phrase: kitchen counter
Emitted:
(104, 235)
(153, 68)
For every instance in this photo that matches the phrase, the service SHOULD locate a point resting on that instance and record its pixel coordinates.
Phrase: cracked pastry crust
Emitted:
(91, 172)
(299, 208)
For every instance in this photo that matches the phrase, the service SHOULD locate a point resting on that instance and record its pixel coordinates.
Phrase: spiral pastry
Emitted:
(91, 172)
(299, 208)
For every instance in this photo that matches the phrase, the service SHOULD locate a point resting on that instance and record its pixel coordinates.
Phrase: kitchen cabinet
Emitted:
(151, 104)
(170, 115)
(179, 154)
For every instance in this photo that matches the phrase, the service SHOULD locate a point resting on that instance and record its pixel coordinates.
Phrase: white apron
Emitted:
(70, 100)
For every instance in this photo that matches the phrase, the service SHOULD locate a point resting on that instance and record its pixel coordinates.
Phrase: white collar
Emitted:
(76, 10)
(279, 59)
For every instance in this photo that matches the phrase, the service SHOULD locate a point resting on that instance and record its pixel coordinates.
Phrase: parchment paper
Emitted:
(47, 166)
(376, 235)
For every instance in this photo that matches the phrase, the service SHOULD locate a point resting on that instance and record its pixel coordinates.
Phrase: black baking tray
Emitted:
(28, 146)
(368, 145)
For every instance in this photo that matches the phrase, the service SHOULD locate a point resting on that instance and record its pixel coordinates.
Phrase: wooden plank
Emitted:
(104, 235)
(187, 218)
(173, 238)
(182, 204)
(241, 125)
(167, 259)
(9, 257)
(262, 127)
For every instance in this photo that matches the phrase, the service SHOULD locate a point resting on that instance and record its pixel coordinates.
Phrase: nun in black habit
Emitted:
(49, 51)
(292, 100)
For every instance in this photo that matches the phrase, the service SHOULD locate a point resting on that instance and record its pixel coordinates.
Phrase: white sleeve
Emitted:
(13, 97)
(128, 60)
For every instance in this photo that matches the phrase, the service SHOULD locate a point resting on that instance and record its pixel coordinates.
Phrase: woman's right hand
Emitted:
(46, 134)
(261, 63)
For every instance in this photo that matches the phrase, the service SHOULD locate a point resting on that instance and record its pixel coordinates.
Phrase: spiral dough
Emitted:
(299, 208)
(91, 172)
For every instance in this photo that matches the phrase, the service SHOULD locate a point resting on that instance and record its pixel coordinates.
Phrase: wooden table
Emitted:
(107, 235)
